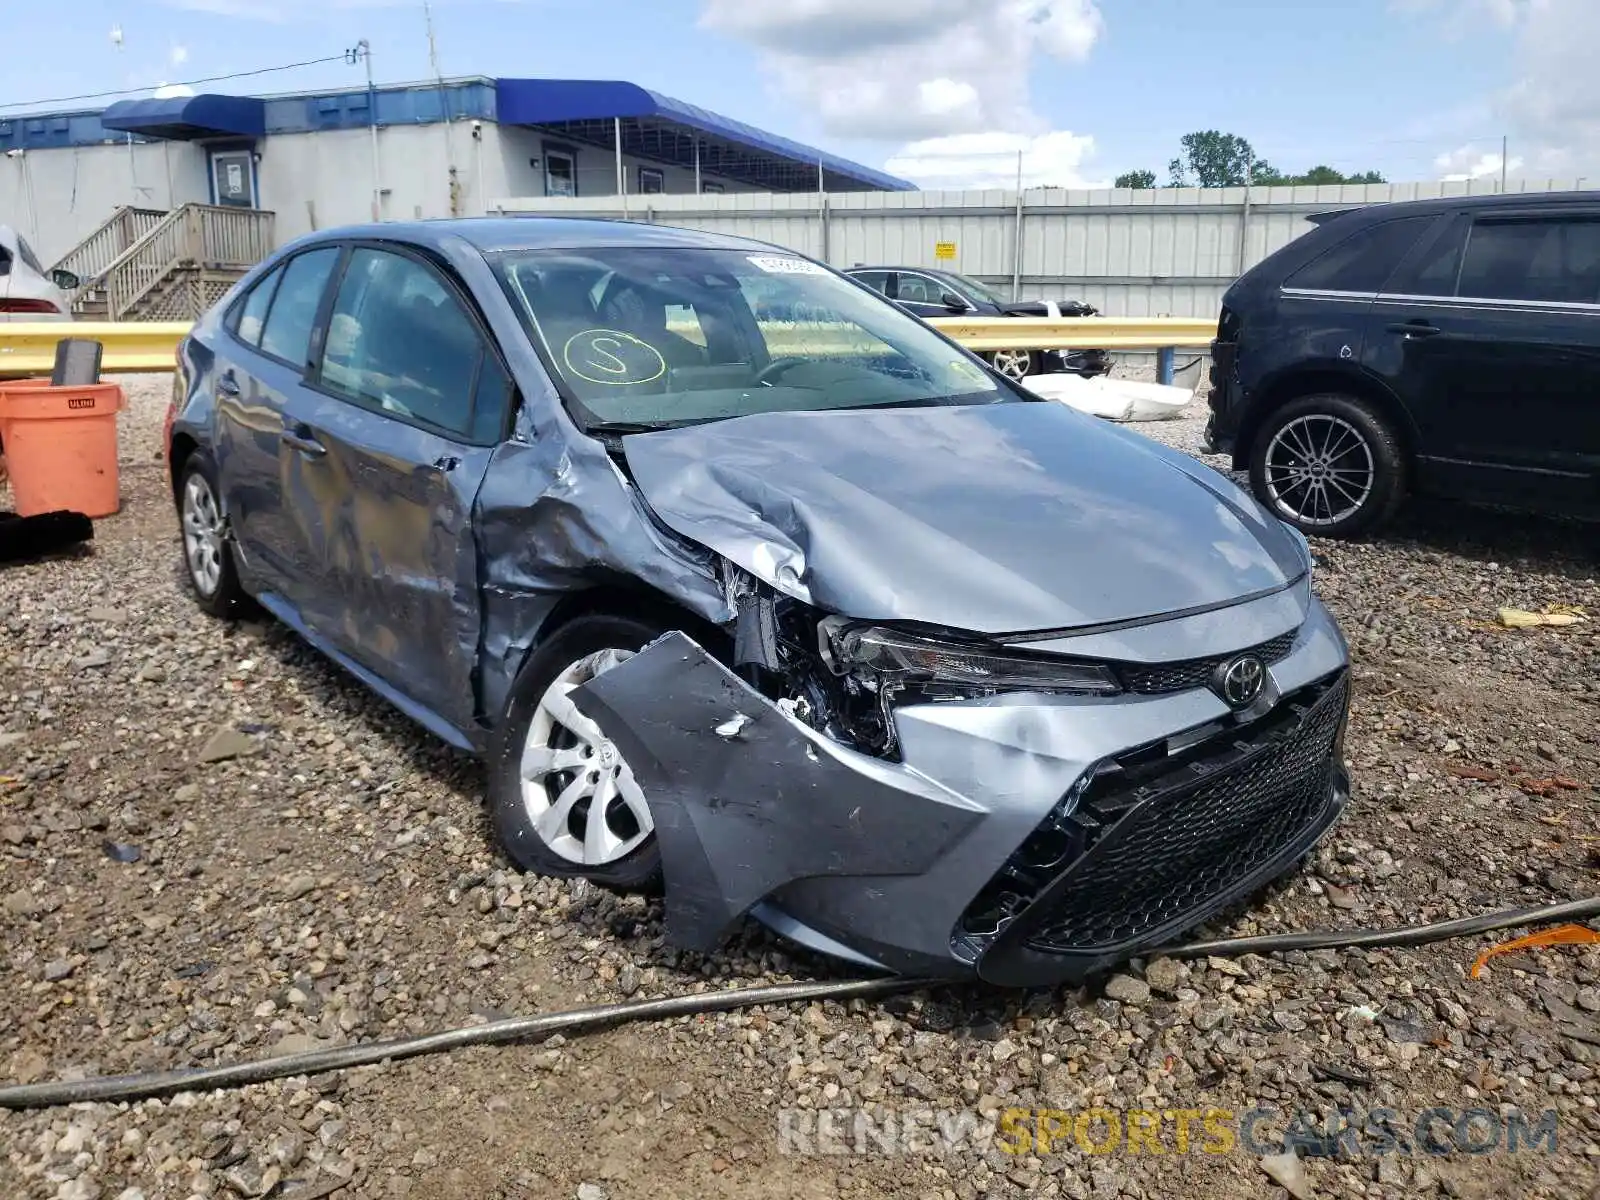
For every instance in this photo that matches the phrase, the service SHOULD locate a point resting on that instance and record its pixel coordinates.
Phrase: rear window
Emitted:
(1363, 261)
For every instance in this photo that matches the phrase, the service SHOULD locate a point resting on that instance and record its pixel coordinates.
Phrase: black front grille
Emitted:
(1156, 837)
(1155, 679)
(1179, 845)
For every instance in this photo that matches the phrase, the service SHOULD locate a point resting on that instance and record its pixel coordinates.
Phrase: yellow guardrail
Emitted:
(1076, 333)
(29, 347)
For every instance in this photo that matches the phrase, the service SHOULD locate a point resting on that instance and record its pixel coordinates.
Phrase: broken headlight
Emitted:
(903, 656)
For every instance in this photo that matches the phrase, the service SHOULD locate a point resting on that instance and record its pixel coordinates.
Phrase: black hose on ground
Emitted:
(1410, 935)
(144, 1085)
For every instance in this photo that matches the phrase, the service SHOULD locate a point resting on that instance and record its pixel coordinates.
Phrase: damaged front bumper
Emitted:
(1027, 839)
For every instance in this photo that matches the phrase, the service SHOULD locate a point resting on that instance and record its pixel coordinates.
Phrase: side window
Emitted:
(29, 258)
(1436, 268)
(287, 331)
(1541, 259)
(878, 281)
(685, 322)
(1364, 261)
(918, 289)
(399, 341)
(250, 315)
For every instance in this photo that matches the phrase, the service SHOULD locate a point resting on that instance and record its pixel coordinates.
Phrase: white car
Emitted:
(29, 292)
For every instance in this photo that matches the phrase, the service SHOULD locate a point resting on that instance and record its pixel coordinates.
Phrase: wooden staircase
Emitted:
(147, 265)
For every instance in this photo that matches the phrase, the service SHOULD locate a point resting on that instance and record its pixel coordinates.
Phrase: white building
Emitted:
(331, 158)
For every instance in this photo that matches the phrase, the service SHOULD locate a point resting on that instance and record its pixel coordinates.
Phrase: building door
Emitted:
(233, 178)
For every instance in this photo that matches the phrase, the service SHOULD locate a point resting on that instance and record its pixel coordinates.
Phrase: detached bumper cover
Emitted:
(747, 799)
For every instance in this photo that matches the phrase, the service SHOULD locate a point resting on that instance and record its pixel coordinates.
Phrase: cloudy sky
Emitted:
(945, 92)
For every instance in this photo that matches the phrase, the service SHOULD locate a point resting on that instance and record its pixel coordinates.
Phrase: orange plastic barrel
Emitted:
(61, 446)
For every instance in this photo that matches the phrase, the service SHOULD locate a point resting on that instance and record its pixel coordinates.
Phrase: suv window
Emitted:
(400, 342)
(251, 314)
(1363, 261)
(1536, 259)
(287, 332)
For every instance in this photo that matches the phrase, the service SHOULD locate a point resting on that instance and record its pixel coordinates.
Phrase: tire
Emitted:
(623, 854)
(1017, 364)
(1330, 465)
(207, 543)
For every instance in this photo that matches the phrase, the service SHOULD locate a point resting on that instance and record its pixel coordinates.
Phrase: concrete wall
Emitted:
(1162, 252)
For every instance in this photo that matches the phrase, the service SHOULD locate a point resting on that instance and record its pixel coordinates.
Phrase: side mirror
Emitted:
(65, 280)
(954, 302)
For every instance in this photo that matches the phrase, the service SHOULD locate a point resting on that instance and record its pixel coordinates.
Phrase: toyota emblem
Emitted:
(1240, 680)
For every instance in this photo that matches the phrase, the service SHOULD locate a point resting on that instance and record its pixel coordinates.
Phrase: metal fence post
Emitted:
(1164, 358)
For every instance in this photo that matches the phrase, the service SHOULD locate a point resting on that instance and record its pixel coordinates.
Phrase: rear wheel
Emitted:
(1329, 464)
(565, 801)
(207, 549)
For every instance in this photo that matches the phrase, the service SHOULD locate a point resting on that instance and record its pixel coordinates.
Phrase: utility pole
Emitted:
(1503, 144)
(444, 106)
(1016, 249)
(363, 50)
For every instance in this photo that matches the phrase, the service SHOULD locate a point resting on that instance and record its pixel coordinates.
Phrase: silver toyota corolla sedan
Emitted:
(815, 620)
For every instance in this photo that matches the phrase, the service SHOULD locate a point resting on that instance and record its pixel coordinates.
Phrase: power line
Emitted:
(295, 66)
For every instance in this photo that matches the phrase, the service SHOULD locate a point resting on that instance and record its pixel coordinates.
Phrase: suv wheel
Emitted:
(565, 802)
(1016, 364)
(1329, 465)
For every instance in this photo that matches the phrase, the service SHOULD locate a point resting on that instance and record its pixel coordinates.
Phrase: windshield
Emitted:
(651, 337)
(981, 289)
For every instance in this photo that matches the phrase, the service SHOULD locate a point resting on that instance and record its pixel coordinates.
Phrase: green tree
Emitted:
(1212, 159)
(1215, 159)
(1137, 180)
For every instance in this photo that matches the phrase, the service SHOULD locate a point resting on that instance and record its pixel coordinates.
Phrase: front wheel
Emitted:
(1017, 364)
(1330, 465)
(565, 802)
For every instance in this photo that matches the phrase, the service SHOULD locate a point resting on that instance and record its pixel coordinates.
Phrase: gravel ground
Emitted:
(312, 870)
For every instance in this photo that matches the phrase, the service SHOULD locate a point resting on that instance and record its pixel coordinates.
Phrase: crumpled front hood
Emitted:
(997, 518)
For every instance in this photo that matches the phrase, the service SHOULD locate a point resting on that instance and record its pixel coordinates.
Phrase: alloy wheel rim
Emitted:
(1012, 363)
(1319, 470)
(202, 535)
(580, 795)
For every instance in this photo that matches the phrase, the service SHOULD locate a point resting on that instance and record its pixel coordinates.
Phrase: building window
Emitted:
(651, 181)
(712, 189)
(560, 172)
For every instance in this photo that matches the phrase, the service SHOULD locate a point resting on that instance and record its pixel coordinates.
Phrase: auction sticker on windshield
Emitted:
(774, 264)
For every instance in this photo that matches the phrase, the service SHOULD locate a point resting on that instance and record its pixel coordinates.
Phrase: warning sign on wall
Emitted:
(944, 250)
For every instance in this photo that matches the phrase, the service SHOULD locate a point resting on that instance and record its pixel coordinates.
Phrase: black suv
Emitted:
(1449, 347)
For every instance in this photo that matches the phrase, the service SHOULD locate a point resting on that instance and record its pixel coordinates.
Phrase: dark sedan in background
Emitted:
(818, 621)
(933, 293)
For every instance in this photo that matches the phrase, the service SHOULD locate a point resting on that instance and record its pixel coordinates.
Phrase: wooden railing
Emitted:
(90, 258)
(196, 237)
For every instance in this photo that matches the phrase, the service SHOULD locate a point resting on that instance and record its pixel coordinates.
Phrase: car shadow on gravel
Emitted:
(1489, 533)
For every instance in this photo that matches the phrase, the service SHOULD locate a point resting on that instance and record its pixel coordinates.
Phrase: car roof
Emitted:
(493, 235)
(902, 267)
(1522, 201)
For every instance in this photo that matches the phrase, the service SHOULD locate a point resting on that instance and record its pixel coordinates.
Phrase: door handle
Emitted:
(300, 439)
(1414, 329)
(227, 385)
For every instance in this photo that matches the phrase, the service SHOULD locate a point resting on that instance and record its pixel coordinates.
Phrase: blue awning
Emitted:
(187, 118)
(666, 130)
